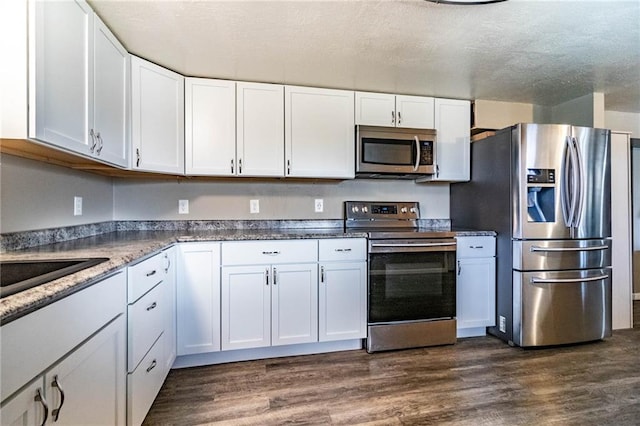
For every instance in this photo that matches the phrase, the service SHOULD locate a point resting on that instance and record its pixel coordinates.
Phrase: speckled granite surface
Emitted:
(129, 242)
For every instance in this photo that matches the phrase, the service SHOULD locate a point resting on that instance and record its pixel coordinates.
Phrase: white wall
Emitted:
(623, 122)
(279, 199)
(587, 111)
(37, 195)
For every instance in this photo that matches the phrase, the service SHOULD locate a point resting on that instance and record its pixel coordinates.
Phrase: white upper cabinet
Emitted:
(80, 74)
(382, 109)
(453, 144)
(110, 105)
(260, 129)
(157, 118)
(319, 133)
(210, 127)
(63, 69)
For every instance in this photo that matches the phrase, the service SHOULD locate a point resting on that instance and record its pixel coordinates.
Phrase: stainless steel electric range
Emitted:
(412, 276)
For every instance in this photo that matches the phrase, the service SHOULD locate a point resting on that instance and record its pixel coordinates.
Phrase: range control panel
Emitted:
(374, 210)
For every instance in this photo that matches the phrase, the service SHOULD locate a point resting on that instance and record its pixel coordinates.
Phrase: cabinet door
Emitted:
(210, 127)
(319, 133)
(26, 408)
(169, 256)
(246, 307)
(476, 292)
(415, 112)
(110, 82)
(157, 118)
(63, 72)
(93, 380)
(452, 122)
(294, 304)
(260, 126)
(375, 109)
(198, 296)
(343, 301)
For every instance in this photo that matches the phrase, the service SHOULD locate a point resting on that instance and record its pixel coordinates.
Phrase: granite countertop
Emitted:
(125, 247)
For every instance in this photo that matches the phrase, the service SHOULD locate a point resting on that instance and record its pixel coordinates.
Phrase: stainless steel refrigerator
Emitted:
(545, 190)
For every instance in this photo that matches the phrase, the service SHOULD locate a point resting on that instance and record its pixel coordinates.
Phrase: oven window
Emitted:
(411, 286)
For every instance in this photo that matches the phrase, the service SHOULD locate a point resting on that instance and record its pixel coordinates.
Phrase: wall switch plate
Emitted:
(503, 324)
(183, 206)
(77, 206)
(254, 206)
(318, 205)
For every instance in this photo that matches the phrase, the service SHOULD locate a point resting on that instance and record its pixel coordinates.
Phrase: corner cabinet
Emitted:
(81, 73)
(453, 149)
(157, 118)
(198, 298)
(382, 109)
(319, 133)
(476, 285)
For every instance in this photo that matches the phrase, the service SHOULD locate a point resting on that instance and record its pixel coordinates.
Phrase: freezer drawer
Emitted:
(554, 308)
(557, 255)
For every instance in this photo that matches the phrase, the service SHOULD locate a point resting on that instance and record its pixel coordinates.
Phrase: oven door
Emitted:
(411, 280)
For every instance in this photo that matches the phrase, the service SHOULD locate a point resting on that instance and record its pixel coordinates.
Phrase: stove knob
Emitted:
(403, 210)
(355, 209)
(414, 210)
(365, 209)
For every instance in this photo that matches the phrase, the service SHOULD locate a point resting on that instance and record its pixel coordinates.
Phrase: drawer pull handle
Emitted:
(271, 253)
(476, 247)
(39, 398)
(56, 384)
(152, 306)
(151, 273)
(342, 250)
(152, 366)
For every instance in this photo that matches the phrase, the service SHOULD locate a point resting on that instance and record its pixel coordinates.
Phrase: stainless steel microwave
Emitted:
(394, 152)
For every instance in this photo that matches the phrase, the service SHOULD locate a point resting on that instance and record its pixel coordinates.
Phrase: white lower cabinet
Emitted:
(342, 289)
(269, 304)
(476, 285)
(198, 298)
(150, 313)
(86, 363)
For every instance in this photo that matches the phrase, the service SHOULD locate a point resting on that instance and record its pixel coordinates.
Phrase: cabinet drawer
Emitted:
(476, 247)
(144, 276)
(146, 322)
(342, 249)
(268, 252)
(144, 383)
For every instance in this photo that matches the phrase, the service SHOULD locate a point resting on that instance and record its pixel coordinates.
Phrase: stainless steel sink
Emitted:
(17, 276)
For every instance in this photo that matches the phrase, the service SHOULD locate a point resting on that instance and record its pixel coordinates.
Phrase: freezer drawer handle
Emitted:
(535, 280)
(590, 248)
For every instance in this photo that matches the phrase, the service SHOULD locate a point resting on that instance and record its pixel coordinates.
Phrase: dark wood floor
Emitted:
(478, 381)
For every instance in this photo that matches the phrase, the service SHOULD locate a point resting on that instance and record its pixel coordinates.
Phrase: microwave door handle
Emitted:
(417, 164)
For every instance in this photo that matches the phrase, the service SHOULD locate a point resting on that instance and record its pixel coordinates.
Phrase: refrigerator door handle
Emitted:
(565, 196)
(580, 185)
(536, 280)
(555, 249)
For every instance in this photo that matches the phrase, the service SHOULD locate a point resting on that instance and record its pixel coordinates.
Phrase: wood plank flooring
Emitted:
(478, 381)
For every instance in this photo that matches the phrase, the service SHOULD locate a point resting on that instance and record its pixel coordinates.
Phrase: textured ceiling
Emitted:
(541, 52)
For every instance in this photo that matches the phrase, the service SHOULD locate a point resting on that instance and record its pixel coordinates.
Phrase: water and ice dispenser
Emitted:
(541, 191)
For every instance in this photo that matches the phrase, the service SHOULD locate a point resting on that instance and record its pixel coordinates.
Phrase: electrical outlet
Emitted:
(503, 324)
(183, 206)
(77, 206)
(319, 205)
(254, 206)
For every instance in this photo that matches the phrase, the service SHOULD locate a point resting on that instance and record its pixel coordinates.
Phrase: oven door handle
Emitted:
(413, 245)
